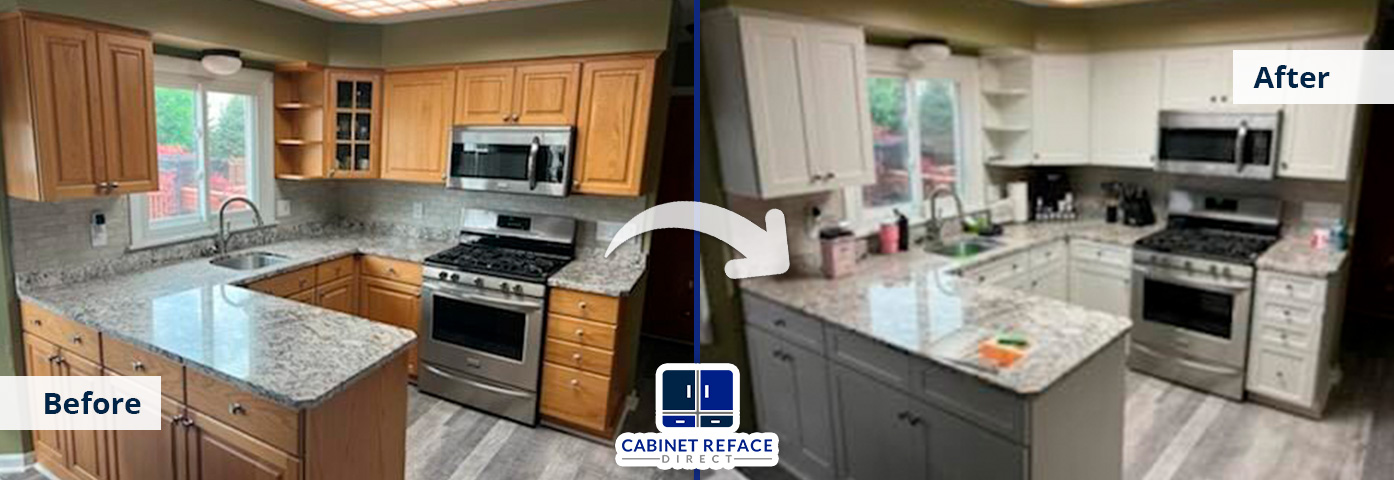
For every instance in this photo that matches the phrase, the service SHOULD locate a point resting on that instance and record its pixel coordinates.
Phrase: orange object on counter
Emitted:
(1001, 356)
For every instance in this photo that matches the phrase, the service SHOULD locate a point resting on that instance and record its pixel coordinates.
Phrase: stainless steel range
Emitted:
(1193, 289)
(483, 305)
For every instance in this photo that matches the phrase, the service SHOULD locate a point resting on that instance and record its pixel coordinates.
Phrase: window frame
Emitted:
(183, 73)
(972, 175)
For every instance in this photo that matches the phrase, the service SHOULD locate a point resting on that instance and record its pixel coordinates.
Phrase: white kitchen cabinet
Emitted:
(1126, 91)
(1101, 277)
(789, 104)
(1316, 141)
(1293, 340)
(1201, 78)
(1060, 111)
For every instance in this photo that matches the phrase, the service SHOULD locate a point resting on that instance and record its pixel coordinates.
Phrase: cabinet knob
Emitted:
(830, 176)
(391, 271)
(236, 409)
(54, 358)
(575, 383)
(1212, 99)
(1285, 165)
(576, 357)
(76, 339)
(1224, 98)
(177, 419)
(780, 322)
(580, 332)
(581, 305)
(138, 366)
(507, 117)
(38, 323)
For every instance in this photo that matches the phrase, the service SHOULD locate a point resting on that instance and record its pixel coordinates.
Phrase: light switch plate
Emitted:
(417, 210)
(98, 226)
(283, 208)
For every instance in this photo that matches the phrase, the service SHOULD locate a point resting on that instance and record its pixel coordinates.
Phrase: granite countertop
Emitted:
(1294, 255)
(290, 352)
(915, 302)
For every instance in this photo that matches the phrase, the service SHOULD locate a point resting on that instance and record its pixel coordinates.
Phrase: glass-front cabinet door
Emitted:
(354, 118)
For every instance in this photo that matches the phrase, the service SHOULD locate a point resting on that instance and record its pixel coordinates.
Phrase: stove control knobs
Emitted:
(503, 286)
(518, 289)
(454, 277)
(1214, 270)
(1188, 264)
(478, 282)
(1227, 272)
(443, 275)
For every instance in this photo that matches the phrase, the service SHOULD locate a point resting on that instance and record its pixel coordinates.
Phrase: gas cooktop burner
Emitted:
(1213, 244)
(500, 261)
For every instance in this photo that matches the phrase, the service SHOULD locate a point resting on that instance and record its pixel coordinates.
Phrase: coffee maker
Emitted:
(1050, 195)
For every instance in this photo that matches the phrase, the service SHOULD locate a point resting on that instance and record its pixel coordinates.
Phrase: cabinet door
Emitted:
(612, 132)
(148, 454)
(1125, 102)
(39, 358)
(87, 449)
(219, 452)
(777, 86)
(340, 295)
(840, 119)
(1053, 282)
(127, 67)
(547, 94)
(416, 130)
(392, 303)
(484, 96)
(354, 116)
(1317, 138)
(1060, 112)
(1196, 79)
(1102, 288)
(878, 440)
(954, 449)
(67, 109)
(792, 400)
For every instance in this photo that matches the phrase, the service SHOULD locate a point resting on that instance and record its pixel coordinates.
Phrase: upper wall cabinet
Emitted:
(1125, 98)
(1317, 138)
(1201, 78)
(616, 119)
(418, 108)
(76, 108)
(524, 94)
(1060, 88)
(327, 122)
(789, 103)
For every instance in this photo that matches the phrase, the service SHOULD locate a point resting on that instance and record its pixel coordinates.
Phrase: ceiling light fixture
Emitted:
(221, 61)
(921, 52)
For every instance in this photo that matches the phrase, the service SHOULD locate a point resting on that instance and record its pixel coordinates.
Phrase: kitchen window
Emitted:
(212, 139)
(922, 138)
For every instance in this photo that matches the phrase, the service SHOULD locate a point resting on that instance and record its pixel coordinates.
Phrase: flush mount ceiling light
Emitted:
(381, 8)
(221, 61)
(925, 51)
(1082, 3)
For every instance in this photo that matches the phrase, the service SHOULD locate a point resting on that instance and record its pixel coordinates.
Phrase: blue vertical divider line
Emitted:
(696, 189)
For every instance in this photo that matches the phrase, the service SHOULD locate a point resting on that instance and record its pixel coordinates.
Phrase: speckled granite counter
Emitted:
(592, 272)
(1294, 255)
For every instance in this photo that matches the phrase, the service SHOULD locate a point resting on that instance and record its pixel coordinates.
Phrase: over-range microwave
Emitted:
(516, 159)
(1226, 144)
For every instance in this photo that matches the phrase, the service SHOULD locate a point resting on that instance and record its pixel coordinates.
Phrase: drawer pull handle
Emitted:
(176, 420)
(576, 357)
(138, 366)
(581, 305)
(391, 271)
(780, 323)
(76, 339)
(575, 383)
(580, 332)
(38, 323)
(54, 358)
(236, 409)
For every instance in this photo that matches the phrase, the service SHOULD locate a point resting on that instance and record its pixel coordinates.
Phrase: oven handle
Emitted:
(474, 383)
(1159, 274)
(1239, 143)
(475, 297)
(532, 163)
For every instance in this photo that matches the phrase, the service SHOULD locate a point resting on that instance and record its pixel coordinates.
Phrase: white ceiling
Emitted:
(488, 6)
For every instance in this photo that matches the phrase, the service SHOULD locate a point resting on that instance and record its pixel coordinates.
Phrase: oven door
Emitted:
(1192, 314)
(1218, 144)
(484, 333)
(511, 159)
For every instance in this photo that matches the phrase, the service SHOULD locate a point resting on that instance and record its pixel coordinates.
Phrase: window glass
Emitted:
(229, 145)
(938, 115)
(176, 124)
(890, 142)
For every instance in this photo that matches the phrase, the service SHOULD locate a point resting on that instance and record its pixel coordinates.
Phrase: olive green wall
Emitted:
(579, 28)
(11, 441)
(355, 45)
(1196, 22)
(968, 22)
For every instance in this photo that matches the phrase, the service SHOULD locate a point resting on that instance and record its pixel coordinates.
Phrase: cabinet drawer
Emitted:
(869, 357)
(585, 305)
(574, 355)
(1278, 373)
(333, 270)
(970, 398)
(1277, 285)
(784, 322)
(126, 359)
(590, 334)
(1084, 250)
(998, 271)
(1295, 317)
(1049, 253)
(72, 336)
(1284, 338)
(575, 396)
(261, 418)
(286, 284)
(392, 269)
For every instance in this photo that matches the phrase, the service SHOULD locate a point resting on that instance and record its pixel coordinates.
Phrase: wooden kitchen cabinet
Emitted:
(393, 303)
(340, 295)
(328, 122)
(525, 94)
(217, 451)
(151, 454)
(613, 129)
(39, 359)
(76, 108)
(74, 454)
(586, 389)
(418, 108)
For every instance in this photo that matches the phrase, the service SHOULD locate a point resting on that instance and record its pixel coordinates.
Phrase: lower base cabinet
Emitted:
(219, 452)
(1100, 287)
(791, 394)
(148, 454)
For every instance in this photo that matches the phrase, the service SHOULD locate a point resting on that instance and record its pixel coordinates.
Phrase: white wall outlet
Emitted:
(417, 210)
(99, 237)
(283, 208)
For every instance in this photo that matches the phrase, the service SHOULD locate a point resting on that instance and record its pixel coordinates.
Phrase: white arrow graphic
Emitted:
(766, 251)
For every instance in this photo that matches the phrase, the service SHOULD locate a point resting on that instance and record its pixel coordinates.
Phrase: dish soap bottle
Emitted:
(903, 224)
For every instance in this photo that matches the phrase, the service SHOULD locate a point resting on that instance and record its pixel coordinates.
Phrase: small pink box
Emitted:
(890, 238)
(839, 256)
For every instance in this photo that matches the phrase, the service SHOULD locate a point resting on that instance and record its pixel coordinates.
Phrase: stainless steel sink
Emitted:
(964, 248)
(249, 260)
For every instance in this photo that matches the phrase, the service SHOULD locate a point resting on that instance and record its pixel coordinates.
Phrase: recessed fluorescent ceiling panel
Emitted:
(1082, 3)
(394, 11)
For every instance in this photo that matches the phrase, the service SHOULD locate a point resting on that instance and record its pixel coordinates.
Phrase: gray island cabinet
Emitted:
(865, 378)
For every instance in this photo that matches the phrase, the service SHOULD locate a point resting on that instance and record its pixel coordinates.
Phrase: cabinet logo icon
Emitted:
(697, 415)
